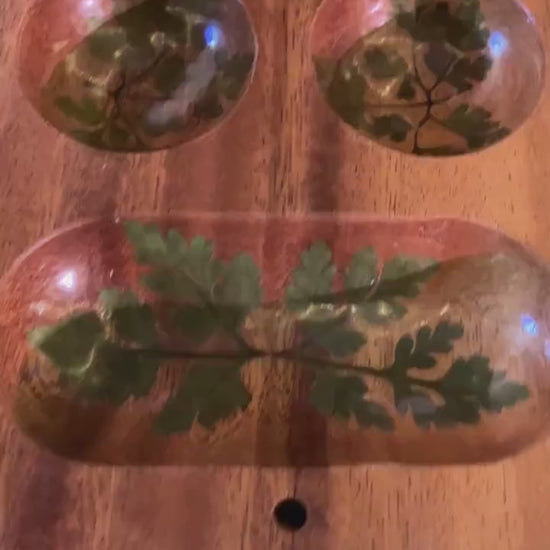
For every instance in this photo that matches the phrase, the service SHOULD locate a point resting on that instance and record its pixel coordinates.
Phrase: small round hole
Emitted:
(290, 514)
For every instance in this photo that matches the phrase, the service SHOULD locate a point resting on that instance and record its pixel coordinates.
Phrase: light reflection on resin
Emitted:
(67, 280)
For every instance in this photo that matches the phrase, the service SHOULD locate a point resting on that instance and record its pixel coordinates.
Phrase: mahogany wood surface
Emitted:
(281, 151)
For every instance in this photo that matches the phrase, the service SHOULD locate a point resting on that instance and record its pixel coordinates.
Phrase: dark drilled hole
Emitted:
(290, 514)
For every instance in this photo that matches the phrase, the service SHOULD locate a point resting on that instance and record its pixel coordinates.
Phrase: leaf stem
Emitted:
(427, 115)
(430, 102)
(320, 364)
(443, 75)
(317, 364)
(416, 70)
(118, 111)
(197, 355)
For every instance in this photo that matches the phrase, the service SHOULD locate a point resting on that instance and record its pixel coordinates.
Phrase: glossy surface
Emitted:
(428, 77)
(295, 156)
(136, 75)
(392, 354)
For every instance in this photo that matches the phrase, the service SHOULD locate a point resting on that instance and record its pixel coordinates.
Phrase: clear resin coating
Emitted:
(277, 341)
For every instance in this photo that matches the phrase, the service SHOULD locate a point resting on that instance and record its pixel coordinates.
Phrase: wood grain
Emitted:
(290, 155)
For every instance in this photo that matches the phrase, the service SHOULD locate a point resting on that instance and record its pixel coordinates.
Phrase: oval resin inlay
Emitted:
(429, 77)
(135, 76)
(282, 341)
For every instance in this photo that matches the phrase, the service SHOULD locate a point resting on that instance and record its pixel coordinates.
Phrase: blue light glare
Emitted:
(529, 325)
(498, 44)
(212, 35)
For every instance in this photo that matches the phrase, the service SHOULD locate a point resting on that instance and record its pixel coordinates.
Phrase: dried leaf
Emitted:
(169, 73)
(235, 73)
(504, 393)
(132, 321)
(313, 278)
(200, 322)
(224, 293)
(208, 106)
(135, 323)
(370, 414)
(92, 138)
(105, 42)
(117, 138)
(407, 89)
(392, 126)
(200, 265)
(70, 343)
(402, 277)
(240, 283)
(469, 387)
(168, 284)
(418, 402)
(334, 336)
(117, 374)
(208, 394)
(475, 125)
(150, 246)
(111, 298)
(362, 271)
(344, 397)
(206, 8)
(419, 353)
(141, 22)
(384, 63)
(86, 112)
(468, 376)
(466, 70)
(464, 28)
(346, 95)
(403, 274)
(181, 269)
(473, 378)
(439, 58)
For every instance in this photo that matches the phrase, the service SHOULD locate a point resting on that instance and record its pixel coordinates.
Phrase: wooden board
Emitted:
(287, 153)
